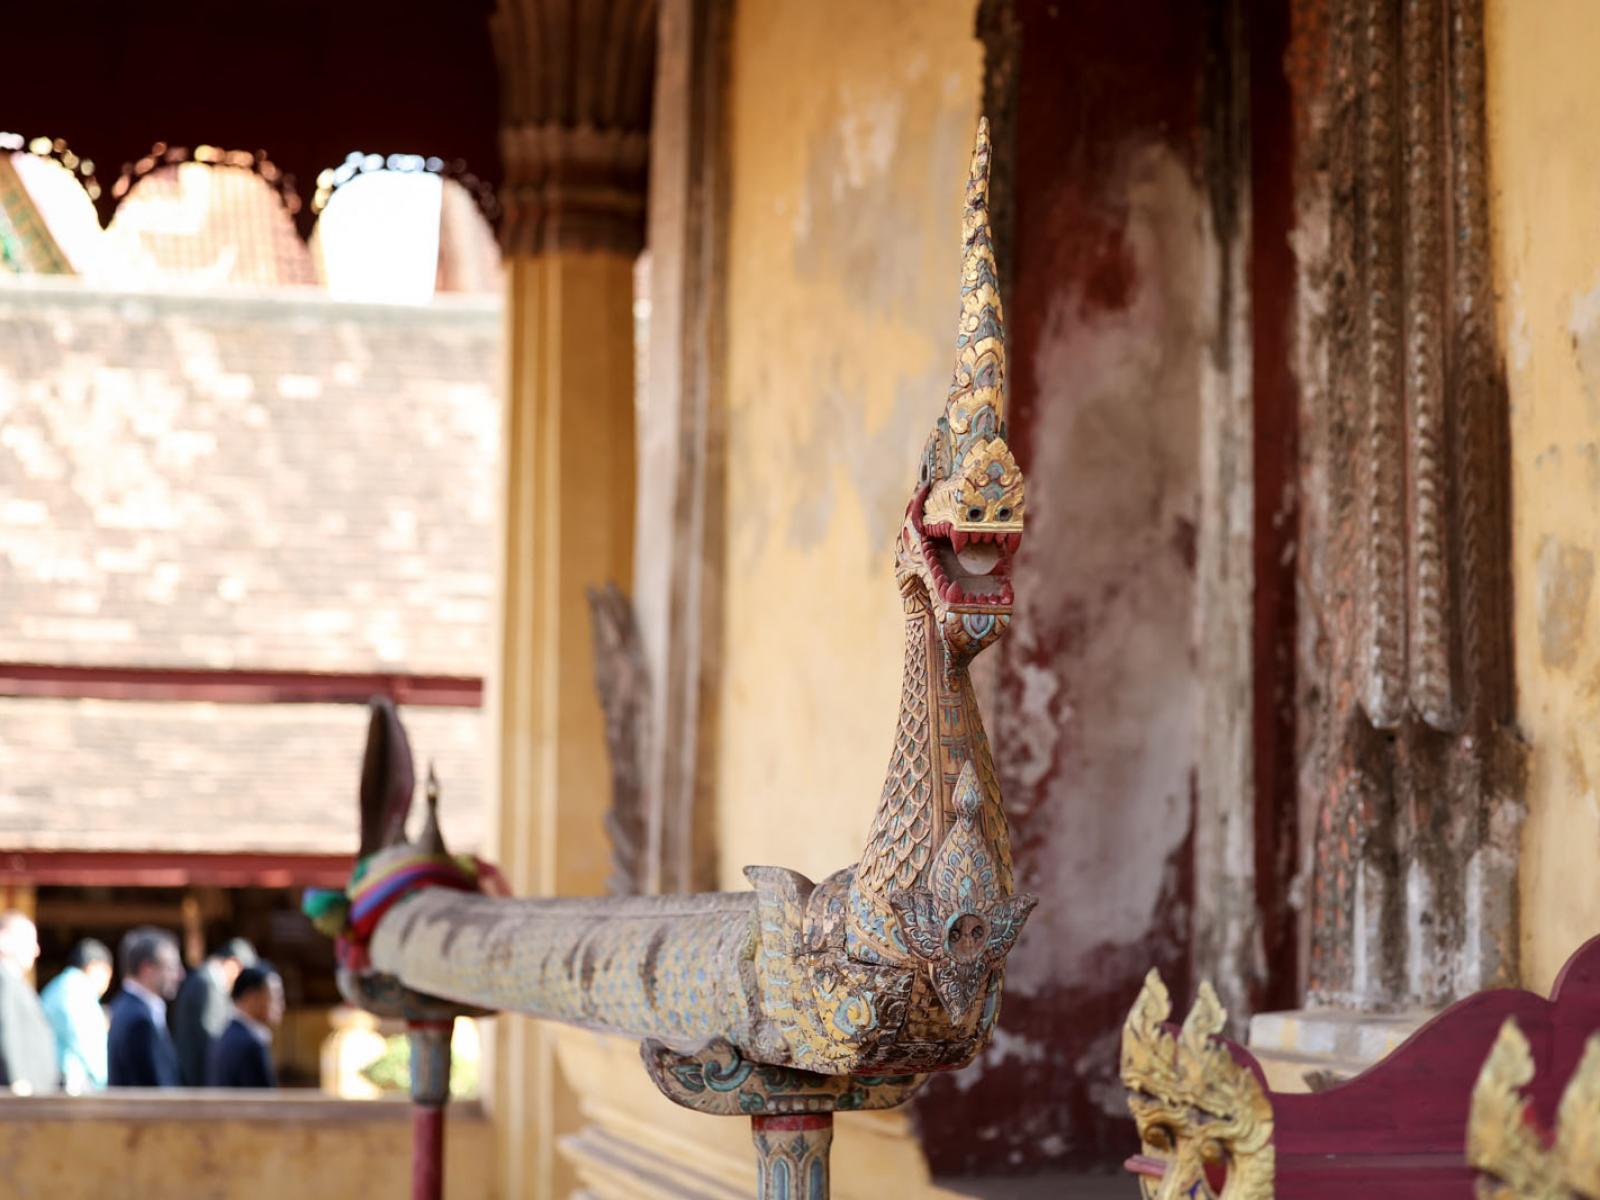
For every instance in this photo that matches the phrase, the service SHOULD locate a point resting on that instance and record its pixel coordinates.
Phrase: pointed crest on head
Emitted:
(973, 480)
(964, 523)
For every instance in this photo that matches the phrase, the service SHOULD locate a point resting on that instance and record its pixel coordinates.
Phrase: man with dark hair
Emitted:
(201, 1011)
(27, 1047)
(71, 1001)
(242, 1058)
(139, 1049)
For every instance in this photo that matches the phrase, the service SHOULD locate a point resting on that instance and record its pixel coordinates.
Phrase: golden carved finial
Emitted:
(980, 372)
(431, 840)
(1504, 1142)
(1197, 1107)
(1206, 1019)
(974, 482)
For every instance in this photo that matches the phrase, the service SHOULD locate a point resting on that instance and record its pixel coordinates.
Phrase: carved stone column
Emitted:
(1414, 772)
(576, 83)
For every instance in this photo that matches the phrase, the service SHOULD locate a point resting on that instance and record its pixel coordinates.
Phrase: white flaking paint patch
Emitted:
(1521, 344)
(1584, 326)
(1113, 480)
(868, 135)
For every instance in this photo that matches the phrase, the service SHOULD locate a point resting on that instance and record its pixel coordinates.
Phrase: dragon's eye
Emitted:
(1158, 1138)
(974, 514)
(1004, 514)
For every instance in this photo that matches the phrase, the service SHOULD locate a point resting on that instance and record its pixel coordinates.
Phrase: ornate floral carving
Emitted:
(962, 926)
(1414, 764)
(1504, 1142)
(1202, 1114)
(720, 1079)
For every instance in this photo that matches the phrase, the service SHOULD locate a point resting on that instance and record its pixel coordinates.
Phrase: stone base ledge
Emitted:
(220, 1104)
(1309, 1049)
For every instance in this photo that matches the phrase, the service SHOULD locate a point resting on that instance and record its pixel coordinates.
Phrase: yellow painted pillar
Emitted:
(574, 139)
(568, 480)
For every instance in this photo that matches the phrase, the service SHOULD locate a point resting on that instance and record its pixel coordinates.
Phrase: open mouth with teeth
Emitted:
(971, 568)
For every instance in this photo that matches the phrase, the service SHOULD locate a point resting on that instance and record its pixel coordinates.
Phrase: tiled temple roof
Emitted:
(214, 778)
(234, 481)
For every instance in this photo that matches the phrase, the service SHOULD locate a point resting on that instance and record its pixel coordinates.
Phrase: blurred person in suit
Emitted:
(242, 1056)
(202, 1010)
(27, 1047)
(139, 1049)
(72, 1004)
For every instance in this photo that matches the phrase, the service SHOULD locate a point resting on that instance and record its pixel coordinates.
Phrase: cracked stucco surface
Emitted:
(843, 274)
(1545, 160)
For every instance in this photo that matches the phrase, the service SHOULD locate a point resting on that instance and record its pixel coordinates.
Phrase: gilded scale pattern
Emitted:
(1202, 1114)
(1505, 1144)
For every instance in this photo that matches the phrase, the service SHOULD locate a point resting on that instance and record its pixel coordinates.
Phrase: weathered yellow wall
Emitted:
(89, 1148)
(850, 131)
(1545, 166)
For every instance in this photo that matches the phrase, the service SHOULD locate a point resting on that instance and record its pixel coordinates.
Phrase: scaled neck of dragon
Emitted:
(934, 885)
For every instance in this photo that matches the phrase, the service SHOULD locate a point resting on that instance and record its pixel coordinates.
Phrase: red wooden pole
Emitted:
(427, 1152)
(430, 1092)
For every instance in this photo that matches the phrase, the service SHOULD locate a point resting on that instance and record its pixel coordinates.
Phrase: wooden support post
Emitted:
(427, 1152)
(430, 1092)
(792, 1156)
(791, 1111)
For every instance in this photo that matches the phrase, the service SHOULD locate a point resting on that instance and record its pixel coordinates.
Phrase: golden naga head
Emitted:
(1204, 1118)
(964, 523)
(1505, 1145)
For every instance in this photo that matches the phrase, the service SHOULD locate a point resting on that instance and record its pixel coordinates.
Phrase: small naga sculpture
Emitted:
(1513, 1157)
(1204, 1117)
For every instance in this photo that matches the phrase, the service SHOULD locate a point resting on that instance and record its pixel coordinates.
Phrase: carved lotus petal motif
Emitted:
(963, 926)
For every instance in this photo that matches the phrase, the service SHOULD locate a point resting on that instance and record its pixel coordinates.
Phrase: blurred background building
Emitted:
(1302, 310)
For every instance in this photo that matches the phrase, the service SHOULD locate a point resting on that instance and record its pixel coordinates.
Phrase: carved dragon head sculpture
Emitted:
(1203, 1116)
(964, 522)
(1505, 1145)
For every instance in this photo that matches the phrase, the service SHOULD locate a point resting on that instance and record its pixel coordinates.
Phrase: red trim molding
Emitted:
(132, 868)
(237, 687)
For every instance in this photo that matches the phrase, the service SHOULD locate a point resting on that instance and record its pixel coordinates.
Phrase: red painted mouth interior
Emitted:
(971, 568)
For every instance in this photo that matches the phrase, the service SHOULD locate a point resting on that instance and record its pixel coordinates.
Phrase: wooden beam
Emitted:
(134, 869)
(236, 687)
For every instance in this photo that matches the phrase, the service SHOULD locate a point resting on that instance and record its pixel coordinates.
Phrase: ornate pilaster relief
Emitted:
(1414, 770)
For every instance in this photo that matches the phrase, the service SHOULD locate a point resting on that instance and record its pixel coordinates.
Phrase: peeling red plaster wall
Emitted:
(1111, 319)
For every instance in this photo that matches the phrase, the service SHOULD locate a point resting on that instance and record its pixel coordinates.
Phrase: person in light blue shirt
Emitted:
(71, 1002)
